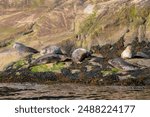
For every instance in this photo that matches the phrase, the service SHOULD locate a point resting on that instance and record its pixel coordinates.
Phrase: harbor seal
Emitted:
(21, 48)
(80, 54)
(141, 55)
(122, 64)
(50, 58)
(127, 53)
(51, 50)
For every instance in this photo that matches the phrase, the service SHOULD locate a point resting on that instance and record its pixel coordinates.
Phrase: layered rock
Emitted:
(108, 26)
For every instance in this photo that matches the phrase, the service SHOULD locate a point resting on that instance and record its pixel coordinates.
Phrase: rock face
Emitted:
(68, 23)
(80, 54)
(52, 21)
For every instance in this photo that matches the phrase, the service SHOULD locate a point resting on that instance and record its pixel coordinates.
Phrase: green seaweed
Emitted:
(45, 68)
(40, 68)
(57, 67)
(19, 64)
(110, 72)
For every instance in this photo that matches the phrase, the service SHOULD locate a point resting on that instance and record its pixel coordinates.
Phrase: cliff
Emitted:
(39, 23)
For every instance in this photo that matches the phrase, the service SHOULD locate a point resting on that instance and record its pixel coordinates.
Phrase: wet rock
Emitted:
(80, 54)
(66, 72)
(147, 81)
(72, 75)
(83, 69)
(88, 68)
(93, 74)
(122, 64)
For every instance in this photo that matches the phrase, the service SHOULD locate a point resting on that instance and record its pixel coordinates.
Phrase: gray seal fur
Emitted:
(50, 58)
(21, 48)
(141, 55)
(122, 64)
(80, 54)
(51, 50)
(128, 52)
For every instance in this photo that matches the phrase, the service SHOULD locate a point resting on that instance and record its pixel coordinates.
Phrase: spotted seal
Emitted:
(141, 55)
(21, 48)
(127, 53)
(51, 50)
(80, 54)
(50, 58)
(122, 64)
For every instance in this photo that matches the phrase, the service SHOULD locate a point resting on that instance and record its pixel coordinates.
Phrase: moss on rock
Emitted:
(19, 64)
(110, 72)
(48, 67)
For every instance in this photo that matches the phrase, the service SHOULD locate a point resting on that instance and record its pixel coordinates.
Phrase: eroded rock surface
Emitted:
(106, 30)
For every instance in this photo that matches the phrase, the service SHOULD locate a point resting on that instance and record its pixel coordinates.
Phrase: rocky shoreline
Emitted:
(94, 69)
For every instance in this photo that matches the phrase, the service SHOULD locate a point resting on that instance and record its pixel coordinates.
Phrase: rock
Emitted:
(51, 50)
(49, 58)
(95, 63)
(147, 81)
(93, 74)
(80, 54)
(88, 68)
(21, 48)
(66, 72)
(68, 63)
(122, 64)
(75, 71)
(89, 9)
(127, 53)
